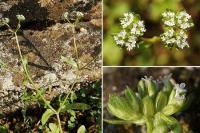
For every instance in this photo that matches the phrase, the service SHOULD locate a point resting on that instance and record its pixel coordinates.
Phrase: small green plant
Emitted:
(66, 103)
(152, 105)
(175, 27)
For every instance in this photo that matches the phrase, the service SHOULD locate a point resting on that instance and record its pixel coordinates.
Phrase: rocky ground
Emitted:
(44, 38)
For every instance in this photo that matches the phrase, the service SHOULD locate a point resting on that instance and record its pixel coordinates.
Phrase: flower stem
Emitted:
(59, 122)
(154, 39)
(75, 45)
(27, 73)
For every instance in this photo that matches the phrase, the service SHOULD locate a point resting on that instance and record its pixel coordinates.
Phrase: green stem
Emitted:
(152, 40)
(67, 96)
(27, 73)
(59, 122)
(149, 124)
(75, 45)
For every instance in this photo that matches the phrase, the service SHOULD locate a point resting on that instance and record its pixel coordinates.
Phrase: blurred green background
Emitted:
(156, 54)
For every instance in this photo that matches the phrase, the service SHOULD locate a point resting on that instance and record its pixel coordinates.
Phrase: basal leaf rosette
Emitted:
(152, 105)
(176, 25)
(132, 28)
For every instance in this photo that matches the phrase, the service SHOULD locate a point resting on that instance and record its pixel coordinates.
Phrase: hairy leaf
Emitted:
(161, 101)
(47, 114)
(148, 106)
(132, 99)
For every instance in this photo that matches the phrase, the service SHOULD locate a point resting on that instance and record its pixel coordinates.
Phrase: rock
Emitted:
(50, 10)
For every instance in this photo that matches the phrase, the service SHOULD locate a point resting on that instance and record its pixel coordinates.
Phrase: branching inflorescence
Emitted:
(176, 25)
(152, 105)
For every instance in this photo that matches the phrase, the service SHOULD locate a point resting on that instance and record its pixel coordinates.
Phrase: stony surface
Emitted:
(44, 48)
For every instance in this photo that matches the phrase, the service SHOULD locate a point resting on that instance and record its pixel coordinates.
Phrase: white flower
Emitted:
(127, 20)
(133, 28)
(176, 25)
(180, 91)
(122, 34)
(169, 18)
(183, 19)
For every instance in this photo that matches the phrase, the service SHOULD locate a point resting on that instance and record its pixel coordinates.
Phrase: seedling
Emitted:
(152, 105)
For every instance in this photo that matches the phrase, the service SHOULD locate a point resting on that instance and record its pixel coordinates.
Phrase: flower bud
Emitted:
(79, 14)
(20, 17)
(4, 21)
(65, 15)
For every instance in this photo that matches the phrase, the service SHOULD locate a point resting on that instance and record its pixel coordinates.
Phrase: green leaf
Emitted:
(54, 128)
(120, 107)
(115, 121)
(3, 129)
(69, 61)
(132, 99)
(81, 129)
(158, 121)
(141, 88)
(148, 106)
(168, 119)
(160, 129)
(47, 114)
(73, 96)
(171, 96)
(170, 109)
(152, 89)
(76, 106)
(161, 101)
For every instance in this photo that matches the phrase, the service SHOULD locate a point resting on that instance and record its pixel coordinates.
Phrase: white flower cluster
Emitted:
(132, 28)
(176, 25)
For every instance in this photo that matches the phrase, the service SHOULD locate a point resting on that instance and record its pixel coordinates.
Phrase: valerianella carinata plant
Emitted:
(132, 29)
(176, 25)
(152, 105)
